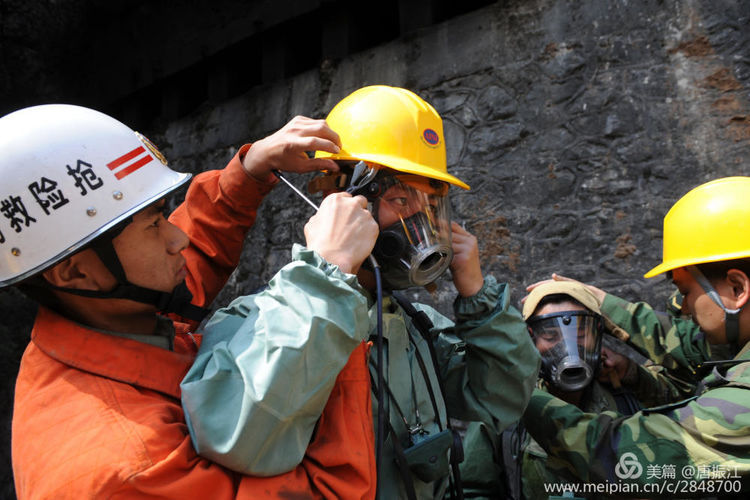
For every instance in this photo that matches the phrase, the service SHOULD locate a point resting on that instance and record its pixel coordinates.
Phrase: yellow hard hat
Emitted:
(710, 223)
(392, 127)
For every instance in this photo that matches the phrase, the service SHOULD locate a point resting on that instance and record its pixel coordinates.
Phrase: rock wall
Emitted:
(577, 123)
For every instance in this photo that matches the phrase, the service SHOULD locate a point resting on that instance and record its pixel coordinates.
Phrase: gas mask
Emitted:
(414, 246)
(570, 345)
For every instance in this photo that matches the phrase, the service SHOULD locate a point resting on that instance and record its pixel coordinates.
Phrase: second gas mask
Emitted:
(570, 345)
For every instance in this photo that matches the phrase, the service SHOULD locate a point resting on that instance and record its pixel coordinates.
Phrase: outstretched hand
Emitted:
(465, 268)
(286, 149)
(343, 231)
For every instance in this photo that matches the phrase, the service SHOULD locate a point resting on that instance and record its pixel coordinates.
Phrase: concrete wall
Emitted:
(577, 124)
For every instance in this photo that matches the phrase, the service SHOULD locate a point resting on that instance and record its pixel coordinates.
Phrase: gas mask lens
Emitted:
(414, 246)
(570, 345)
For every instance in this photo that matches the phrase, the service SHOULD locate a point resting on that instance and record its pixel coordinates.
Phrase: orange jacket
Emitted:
(99, 416)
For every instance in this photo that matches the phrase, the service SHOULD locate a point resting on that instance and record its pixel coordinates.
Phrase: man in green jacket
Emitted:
(700, 446)
(268, 361)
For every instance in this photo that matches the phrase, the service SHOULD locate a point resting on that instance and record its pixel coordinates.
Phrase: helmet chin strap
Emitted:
(731, 316)
(177, 301)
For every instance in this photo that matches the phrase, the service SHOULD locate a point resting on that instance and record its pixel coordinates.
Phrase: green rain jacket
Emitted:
(268, 362)
(694, 448)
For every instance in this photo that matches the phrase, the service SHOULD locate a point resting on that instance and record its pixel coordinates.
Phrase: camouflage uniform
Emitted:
(512, 465)
(708, 434)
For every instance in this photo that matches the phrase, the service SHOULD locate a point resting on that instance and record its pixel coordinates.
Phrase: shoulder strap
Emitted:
(398, 450)
(511, 440)
(402, 464)
(424, 326)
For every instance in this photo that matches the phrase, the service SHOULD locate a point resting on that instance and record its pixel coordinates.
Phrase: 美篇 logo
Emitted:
(628, 467)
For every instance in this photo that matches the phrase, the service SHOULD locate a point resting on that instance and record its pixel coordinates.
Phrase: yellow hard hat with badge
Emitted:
(394, 128)
(393, 153)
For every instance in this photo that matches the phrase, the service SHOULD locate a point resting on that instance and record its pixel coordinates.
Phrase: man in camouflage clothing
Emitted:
(700, 446)
(512, 465)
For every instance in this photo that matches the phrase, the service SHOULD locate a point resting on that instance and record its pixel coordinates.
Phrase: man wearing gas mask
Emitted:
(269, 360)
(584, 363)
(574, 349)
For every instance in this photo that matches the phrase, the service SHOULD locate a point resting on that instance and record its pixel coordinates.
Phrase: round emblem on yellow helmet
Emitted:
(431, 138)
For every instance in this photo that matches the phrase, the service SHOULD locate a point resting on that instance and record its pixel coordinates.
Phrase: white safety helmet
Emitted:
(69, 174)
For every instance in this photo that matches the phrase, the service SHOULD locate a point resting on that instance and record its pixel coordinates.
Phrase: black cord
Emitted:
(379, 350)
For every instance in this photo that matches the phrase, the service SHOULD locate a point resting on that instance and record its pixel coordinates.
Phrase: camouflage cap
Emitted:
(577, 291)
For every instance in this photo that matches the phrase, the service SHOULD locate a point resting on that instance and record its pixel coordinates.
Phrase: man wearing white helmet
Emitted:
(97, 409)
(482, 367)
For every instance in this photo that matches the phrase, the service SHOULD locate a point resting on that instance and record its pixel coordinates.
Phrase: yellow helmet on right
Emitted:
(392, 127)
(710, 223)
